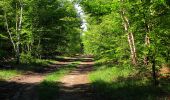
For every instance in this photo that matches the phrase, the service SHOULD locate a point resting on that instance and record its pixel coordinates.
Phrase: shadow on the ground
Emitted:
(46, 90)
(128, 89)
(13, 90)
(46, 66)
(82, 58)
(96, 91)
(121, 89)
(99, 90)
(26, 91)
(76, 92)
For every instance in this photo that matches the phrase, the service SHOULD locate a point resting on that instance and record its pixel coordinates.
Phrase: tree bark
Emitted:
(130, 36)
(10, 34)
(147, 42)
(18, 29)
(154, 75)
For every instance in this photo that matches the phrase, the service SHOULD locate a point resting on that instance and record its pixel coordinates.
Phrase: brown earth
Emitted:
(74, 86)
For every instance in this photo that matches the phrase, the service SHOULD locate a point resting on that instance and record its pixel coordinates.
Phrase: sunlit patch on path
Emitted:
(75, 86)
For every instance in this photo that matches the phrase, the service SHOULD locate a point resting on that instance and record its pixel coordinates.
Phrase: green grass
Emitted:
(55, 76)
(109, 74)
(8, 74)
(37, 65)
(49, 88)
(122, 83)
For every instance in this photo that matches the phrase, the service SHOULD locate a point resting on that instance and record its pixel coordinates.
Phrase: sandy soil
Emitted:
(75, 86)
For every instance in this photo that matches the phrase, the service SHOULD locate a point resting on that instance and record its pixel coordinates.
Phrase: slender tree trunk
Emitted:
(130, 36)
(16, 30)
(154, 75)
(18, 27)
(38, 48)
(19, 30)
(9, 32)
(147, 42)
(150, 58)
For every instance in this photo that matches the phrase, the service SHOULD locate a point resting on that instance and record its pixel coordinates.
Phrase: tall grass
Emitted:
(122, 83)
(109, 74)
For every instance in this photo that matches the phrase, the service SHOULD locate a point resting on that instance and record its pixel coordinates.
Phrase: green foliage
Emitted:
(105, 38)
(124, 83)
(112, 73)
(151, 17)
(27, 58)
(108, 39)
(55, 23)
(47, 28)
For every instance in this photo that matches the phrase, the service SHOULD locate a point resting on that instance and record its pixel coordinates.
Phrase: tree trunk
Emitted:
(154, 75)
(147, 42)
(130, 36)
(10, 34)
(18, 29)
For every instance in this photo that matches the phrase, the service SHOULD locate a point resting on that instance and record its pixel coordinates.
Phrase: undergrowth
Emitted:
(123, 83)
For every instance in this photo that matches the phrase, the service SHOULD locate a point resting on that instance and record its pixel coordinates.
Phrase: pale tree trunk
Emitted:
(18, 26)
(147, 42)
(18, 29)
(9, 32)
(130, 36)
(17, 34)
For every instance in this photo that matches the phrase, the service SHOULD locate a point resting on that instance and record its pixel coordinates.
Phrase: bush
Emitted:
(26, 58)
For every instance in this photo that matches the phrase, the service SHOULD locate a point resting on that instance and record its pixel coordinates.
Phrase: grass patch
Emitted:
(48, 89)
(37, 66)
(55, 76)
(8, 74)
(122, 83)
(109, 74)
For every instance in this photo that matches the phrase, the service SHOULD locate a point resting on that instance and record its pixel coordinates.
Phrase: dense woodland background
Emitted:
(38, 28)
(129, 32)
(126, 34)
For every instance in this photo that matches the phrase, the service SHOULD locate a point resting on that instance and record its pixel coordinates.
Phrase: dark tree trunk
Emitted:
(154, 75)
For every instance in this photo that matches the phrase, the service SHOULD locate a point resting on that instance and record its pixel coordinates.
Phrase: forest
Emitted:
(84, 49)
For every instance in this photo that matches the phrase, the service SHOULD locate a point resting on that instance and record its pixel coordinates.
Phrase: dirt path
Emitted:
(27, 86)
(75, 86)
(31, 78)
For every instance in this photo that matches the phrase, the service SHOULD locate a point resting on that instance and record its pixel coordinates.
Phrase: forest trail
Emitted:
(29, 78)
(25, 86)
(22, 87)
(75, 86)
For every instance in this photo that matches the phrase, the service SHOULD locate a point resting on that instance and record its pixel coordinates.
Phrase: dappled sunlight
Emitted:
(84, 50)
(44, 82)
